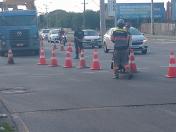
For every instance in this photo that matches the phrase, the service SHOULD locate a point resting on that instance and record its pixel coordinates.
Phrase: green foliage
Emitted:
(61, 18)
(6, 127)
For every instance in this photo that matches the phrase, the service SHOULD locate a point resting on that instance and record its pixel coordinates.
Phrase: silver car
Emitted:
(138, 42)
(91, 39)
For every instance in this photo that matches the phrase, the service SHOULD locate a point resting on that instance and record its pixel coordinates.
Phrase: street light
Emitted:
(152, 19)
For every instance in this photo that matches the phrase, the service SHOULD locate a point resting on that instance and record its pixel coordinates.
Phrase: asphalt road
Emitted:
(55, 99)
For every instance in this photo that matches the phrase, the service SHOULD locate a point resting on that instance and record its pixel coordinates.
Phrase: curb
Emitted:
(13, 119)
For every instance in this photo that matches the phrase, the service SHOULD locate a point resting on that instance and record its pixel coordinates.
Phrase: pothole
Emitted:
(15, 90)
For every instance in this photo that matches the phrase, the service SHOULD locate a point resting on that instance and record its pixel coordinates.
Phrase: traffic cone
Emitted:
(172, 68)
(69, 48)
(82, 61)
(95, 65)
(10, 57)
(42, 59)
(132, 64)
(53, 60)
(68, 60)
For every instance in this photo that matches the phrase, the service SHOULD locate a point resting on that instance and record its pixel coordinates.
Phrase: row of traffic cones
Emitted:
(95, 65)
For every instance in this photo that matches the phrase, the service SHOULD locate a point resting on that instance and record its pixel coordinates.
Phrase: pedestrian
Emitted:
(78, 38)
(120, 38)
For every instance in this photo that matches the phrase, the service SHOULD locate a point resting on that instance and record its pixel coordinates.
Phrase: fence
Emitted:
(159, 28)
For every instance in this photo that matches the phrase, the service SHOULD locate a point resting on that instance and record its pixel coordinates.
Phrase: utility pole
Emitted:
(115, 14)
(152, 19)
(84, 15)
(102, 19)
(46, 9)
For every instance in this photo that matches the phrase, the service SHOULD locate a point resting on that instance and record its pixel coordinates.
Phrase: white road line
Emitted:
(163, 66)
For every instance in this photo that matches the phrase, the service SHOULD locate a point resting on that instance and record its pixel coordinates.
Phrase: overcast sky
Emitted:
(77, 5)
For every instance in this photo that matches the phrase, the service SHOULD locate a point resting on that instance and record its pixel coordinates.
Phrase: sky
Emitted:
(77, 5)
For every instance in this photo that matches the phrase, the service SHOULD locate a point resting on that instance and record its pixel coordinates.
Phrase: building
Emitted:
(15, 3)
(138, 13)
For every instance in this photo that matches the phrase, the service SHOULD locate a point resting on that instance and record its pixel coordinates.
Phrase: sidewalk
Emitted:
(6, 122)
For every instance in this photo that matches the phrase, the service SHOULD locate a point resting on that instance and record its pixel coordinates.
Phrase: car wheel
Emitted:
(105, 49)
(144, 51)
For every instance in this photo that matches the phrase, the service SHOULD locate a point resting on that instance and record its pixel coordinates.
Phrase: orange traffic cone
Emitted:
(95, 65)
(172, 68)
(68, 60)
(69, 48)
(82, 62)
(53, 59)
(10, 57)
(42, 59)
(132, 64)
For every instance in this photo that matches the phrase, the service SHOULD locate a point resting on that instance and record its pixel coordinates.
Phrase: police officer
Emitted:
(120, 38)
(78, 37)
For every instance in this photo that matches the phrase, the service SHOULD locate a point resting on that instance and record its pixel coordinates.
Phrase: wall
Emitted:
(159, 28)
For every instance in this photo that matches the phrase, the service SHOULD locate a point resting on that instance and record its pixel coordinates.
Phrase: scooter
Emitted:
(63, 40)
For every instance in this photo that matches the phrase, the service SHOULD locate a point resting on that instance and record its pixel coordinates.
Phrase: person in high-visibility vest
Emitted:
(120, 38)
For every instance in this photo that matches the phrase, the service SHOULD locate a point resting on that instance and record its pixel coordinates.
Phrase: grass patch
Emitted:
(6, 127)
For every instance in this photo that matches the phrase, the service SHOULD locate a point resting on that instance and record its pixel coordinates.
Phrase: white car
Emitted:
(91, 39)
(139, 42)
(53, 35)
(44, 33)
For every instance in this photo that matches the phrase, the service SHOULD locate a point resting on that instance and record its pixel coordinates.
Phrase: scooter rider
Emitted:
(120, 38)
(62, 36)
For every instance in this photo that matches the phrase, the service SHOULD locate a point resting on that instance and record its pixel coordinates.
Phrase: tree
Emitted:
(61, 18)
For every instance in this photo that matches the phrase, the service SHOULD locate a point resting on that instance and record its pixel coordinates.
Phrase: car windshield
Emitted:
(18, 20)
(134, 31)
(90, 33)
(54, 31)
(45, 31)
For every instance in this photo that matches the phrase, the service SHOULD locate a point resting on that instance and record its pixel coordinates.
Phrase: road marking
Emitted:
(163, 66)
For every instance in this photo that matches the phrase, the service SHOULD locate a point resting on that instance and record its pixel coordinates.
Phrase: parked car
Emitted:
(139, 42)
(53, 35)
(44, 33)
(91, 39)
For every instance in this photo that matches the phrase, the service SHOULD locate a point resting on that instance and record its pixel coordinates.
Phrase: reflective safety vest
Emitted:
(120, 38)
